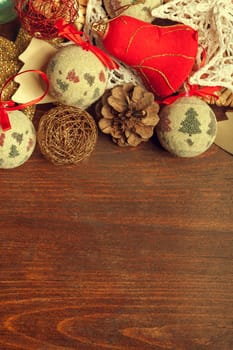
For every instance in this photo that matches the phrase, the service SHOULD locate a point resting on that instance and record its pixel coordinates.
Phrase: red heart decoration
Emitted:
(163, 56)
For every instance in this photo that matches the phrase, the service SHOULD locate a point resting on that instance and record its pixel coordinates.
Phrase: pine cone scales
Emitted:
(128, 113)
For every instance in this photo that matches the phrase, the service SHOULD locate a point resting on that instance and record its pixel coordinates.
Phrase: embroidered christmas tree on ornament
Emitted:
(187, 127)
(190, 124)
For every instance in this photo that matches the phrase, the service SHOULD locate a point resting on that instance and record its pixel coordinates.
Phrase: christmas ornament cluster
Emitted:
(115, 71)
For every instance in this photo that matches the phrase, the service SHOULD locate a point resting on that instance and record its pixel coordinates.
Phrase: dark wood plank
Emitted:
(130, 250)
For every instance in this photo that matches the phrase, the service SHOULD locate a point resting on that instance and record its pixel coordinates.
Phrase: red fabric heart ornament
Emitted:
(163, 56)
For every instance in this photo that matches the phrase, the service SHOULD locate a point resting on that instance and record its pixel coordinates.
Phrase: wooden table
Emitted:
(130, 250)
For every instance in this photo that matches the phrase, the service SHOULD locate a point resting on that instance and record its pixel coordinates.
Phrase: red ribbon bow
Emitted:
(193, 90)
(10, 105)
(4, 118)
(70, 32)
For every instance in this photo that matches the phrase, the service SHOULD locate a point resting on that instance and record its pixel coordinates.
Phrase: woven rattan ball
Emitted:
(66, 135)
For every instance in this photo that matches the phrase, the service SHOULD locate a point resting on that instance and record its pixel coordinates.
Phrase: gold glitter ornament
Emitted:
(10, 65)
(7, 49)
(22, 40)
(30, 111)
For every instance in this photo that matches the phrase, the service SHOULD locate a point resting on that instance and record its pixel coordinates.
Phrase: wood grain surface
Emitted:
(130, 250)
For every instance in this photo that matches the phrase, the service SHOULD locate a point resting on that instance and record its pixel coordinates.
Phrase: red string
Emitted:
(38, 17)
(70, 32)
(4, 118)
(10, 105)
(193, 90)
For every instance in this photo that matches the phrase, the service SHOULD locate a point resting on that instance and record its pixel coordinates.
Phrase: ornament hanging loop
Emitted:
(193, 90)
(70, 32)
(100, 27)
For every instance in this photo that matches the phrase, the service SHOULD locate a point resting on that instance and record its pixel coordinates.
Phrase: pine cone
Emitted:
(128, 113)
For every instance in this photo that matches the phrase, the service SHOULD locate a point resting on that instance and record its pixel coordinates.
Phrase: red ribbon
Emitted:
(70, 32)
(4, 118)
(193, 90)
(10, 105)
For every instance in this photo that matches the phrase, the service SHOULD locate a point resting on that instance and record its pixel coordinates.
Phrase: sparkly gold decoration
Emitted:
(30, 111)
(7, 48)
(10, 65)
(22, 41)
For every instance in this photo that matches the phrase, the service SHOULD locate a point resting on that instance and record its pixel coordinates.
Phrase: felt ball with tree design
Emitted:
(77, 77)
(187, 127)
(17, 144)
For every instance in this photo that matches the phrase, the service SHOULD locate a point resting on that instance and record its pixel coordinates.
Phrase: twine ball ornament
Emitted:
(187, 127)
(77, 77)
(38, 17)
(66, 135)
(17, 144)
